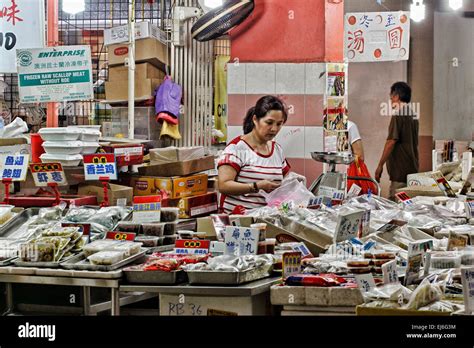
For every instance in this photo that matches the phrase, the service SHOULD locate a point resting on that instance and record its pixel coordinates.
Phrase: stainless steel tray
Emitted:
(154, 277)
(17, 221)
(20, 263)
(160, 249)
(333, 157)
(226, 278)
(80, 262)
(7, 262)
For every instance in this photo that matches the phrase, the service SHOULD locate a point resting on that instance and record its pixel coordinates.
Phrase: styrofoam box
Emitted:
(90, 135)
(63, 147)
(89, 147)
(60, 134)
(65, 160)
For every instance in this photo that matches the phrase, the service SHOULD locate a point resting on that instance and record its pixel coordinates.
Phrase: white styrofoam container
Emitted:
(60, 134)
(63, 147)
(89, 147)
(89, 134)
(65, 160)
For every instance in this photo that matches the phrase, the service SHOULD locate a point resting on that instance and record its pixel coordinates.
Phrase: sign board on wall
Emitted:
(22, 25)
(55, 74)
(377, 36)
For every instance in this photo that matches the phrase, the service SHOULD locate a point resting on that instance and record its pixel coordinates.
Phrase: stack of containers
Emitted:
(66, 145)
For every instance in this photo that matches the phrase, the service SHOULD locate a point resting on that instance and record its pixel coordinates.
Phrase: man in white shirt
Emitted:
(355, 140)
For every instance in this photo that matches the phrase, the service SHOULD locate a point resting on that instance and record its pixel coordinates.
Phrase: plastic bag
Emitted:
(290, 190)
(425, 294)
(358, 168)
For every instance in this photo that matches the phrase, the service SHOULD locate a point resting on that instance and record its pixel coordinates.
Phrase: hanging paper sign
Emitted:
(22, 25)
(55, 74)
(100, 165)
(377, 36)
(241, 240)
(291, 264)
(48, 173)
(14, 167)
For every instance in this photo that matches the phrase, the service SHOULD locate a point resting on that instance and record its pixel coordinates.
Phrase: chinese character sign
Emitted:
(146, 209)
(100, 165)
(22, 25)
(467, 278)
(241, 241)
(14, 167)
(348, 225)
(48, 173)
(377, 36)
(389, 271)
(291, 263)
(55, 74)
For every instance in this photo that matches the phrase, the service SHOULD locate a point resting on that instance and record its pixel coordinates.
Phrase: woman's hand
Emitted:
(267, 185)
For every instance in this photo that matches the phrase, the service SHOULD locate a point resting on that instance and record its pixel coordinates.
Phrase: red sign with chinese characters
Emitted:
(123, 236)
(193, 244)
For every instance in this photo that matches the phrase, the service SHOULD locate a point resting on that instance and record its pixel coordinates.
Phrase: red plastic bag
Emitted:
(358, 168)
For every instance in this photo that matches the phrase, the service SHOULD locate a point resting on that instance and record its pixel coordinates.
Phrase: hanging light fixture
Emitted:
(455, 4)
(74, 6)
(417, 10)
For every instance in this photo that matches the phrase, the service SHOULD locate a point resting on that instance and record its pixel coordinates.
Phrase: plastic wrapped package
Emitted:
(147, 241)
(5, 213)
(390, 292)
(382, 304)
(290, 190)
(316, 266)
(229, 263)
(37, 252)
(441, 306)
(321, 280)
(169, 214)
(446, 259)
(156, 229)
(106, 258)
(128, 227)
(425, 294)
(99, 245)
(171, 228)
(128, 248)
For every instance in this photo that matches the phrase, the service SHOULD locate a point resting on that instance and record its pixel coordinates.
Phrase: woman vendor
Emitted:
(253, 161)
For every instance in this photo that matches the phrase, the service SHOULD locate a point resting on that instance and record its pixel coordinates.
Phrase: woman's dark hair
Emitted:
(260, 110)
(403, 91)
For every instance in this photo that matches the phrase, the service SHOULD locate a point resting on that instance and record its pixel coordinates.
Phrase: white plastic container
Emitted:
(63, 147)
(60, 134)
(106, 258)
(5, 213)
(446, 260)
(89, 147)
(90, 135)
(65, 160)
(99, 245)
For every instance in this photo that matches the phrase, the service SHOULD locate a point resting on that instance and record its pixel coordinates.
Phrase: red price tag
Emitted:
(123, 236)
(193, 244)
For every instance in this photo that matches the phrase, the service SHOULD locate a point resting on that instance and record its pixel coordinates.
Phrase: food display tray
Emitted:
(80, 262)
(17, 221)
(154, 277)
(226, 278)
(56, 264)
(7, 262)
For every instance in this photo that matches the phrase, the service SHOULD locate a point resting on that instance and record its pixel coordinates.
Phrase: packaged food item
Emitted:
(262, 227)
(378, 263)
(147, 241)
(446, 259)
(5, 213)
(271, 242)
(156, 229)
(467, 256)
(169, 214)
(425, 294)
(128, 248)
(358, 263)
(170, 228)
(106, 258)
(261, 248)
(129, 227)
(37, 252)
(169, 240)
(191, 235)
(359, 270)
(98, 245)
(322, 280)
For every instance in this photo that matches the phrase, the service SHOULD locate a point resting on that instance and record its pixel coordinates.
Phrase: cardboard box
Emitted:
(205, 224)
(316, 240)
(126, 154)
(143, 30)
(191, 207)
(176, 154)
(142, 71)
(146, 50)
(144, 89)
(178, 168)
(175, 187)
(115, 193)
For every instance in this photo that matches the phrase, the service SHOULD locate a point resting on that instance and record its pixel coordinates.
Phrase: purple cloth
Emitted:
(168, 97)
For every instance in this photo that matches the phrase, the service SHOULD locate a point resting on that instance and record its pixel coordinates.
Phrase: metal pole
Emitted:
(53, 39)
(131, 69)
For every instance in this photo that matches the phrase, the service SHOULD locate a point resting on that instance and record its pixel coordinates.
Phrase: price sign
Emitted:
(100, 165)
(14, 167)
(303, 249)
(48, 173)
(470, 210)
(241, 241)
(467, 278)
(146, 209)
(392, 226)
(122, 236)
(365, 282)
(192, 246)
(415, 258)
(457, 241)
(291, 264)
(389, 271)
(404, 198)
(354, 191)
(349, 225)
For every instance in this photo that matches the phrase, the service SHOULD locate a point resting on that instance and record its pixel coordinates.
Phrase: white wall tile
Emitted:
(260, 78)
(315, 84)
(290, 78)
(236, 78)
(314, 140)
(291, 140)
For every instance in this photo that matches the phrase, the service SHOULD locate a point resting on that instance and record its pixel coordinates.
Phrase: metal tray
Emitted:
(154, 277)
(226, 278)
(20, 263)
(80, 262)
(160, 249)
(17, 221)
(7, 262)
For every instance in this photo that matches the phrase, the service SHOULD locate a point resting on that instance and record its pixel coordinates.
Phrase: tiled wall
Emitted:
(301, 86)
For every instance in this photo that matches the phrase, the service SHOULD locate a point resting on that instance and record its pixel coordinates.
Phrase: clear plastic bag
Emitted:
(425, 294)
(290, 190)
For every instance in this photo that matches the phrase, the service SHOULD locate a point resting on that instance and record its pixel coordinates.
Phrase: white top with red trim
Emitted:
(251, 167)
